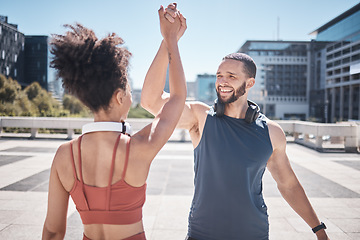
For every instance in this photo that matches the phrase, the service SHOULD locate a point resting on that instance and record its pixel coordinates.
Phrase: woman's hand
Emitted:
(169, 30)
(171, 13)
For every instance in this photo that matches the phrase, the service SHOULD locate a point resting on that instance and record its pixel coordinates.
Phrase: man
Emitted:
(233, 145)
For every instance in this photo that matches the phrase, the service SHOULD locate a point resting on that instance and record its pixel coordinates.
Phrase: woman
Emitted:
(104, 170)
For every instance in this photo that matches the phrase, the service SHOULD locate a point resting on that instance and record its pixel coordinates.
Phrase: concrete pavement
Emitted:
(331, 181)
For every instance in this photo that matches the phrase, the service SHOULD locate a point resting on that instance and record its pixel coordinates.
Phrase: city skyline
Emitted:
(226, 25)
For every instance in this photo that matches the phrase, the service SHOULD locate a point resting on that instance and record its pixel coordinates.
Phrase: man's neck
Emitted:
(237, 109)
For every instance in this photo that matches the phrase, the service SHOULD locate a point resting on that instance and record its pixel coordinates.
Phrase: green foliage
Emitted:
(9, 89)
(36, 101)
(32, 101)
(75, 106)
(33, 90)
(139, 112)
(45, 105)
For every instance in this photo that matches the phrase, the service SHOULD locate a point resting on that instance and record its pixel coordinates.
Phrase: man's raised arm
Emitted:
(153, 96)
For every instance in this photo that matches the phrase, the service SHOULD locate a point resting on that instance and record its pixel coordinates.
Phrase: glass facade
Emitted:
(36, 64)
(342, 89)
(276, 49)
(346, 29)
(286, 80)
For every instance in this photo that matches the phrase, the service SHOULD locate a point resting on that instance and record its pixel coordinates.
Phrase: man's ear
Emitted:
(250, 82)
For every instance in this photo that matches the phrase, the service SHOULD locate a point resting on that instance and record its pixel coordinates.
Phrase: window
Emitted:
(38, 64)
(337, 54)
(15, 72)
(355, 57)
(346, 60)
(355, 48)
(346, 51)
(7, 71)
(15, 37)
(15, 58)
(0, 30)
(38, 46)
(3, 54)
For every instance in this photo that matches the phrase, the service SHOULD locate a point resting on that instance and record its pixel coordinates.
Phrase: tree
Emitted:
(75, 106)
(9, 89)
(45, 104)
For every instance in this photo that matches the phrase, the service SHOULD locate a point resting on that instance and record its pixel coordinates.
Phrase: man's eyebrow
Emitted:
(231, 73)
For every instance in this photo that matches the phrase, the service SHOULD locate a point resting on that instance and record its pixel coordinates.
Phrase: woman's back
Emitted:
(100, 191)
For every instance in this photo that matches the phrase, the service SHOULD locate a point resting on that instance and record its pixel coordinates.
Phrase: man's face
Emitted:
(230, 81)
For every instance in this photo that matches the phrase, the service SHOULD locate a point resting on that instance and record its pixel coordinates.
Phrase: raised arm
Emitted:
(155, 135)
(287, 182)
(153, 97)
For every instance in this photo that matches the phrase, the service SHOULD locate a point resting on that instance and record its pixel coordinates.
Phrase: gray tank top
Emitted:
(229, 164)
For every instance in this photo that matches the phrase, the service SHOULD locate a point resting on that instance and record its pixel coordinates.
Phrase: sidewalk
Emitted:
(331, 181)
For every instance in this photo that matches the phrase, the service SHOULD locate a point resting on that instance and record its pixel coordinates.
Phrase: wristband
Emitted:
(319, 227)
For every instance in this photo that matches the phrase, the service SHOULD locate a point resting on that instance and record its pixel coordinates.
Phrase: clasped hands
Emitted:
(172, 22)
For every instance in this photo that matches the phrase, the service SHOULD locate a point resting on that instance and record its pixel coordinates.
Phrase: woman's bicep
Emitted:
(58, 199)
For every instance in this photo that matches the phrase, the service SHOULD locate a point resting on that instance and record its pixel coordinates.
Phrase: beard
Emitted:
(236, 95)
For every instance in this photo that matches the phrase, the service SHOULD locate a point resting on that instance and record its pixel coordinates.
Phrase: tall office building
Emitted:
(12, 46)
(23, 58)
(282, 84)
(341, 63)
(36, 60)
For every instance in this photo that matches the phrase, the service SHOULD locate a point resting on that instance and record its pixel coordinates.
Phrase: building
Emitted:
(36, 60)
(205, 88)
(282, 84)
(12, 48)
(341, 65)
(191, 91)
(23, 58)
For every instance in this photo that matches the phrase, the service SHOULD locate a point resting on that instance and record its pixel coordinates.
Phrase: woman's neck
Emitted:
(102, 116)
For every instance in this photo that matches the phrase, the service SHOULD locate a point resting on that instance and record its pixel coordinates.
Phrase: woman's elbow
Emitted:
(48, 234)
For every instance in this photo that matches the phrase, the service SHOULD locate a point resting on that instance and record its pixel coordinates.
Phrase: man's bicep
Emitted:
(280, 168)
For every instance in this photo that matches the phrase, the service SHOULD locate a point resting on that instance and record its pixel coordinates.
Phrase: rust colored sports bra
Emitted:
(118, 203)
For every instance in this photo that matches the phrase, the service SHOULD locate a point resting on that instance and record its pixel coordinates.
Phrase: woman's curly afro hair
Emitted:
(91, 69)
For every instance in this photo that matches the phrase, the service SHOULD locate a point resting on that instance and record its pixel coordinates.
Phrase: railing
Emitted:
(70, 124)
(320, 136)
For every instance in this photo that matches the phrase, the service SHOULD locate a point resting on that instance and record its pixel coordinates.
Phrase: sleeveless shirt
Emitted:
(118, 203)
(229, 164)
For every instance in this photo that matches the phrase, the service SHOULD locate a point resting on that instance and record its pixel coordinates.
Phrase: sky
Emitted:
(215, 28)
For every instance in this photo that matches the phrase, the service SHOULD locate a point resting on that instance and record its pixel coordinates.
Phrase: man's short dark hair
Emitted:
(249, 64)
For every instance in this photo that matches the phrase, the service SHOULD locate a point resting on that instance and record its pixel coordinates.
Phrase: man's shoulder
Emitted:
(198, 106)
(199, 109)
(276, 133)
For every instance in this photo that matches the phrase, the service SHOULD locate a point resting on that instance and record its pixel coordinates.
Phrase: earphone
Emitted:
(251, 115)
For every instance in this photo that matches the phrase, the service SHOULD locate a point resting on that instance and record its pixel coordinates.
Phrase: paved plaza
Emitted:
(331, 181)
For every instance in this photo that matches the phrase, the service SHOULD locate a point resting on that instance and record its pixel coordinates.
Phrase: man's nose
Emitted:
(221, 80)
